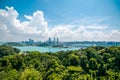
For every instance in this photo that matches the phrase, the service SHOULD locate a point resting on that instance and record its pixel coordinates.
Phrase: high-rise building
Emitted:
(57, 41)
(30, 42)
(49, 41)
(54, 40)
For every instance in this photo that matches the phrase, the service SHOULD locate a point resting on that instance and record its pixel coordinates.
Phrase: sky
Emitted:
(69, 20)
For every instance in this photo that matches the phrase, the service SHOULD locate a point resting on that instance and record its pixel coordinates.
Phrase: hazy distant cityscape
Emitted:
(55, 42)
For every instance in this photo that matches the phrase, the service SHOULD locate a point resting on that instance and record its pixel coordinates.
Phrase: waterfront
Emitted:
(45, 49)
(55, 48)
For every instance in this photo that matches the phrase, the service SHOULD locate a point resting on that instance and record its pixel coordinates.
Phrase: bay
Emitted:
(44, 49)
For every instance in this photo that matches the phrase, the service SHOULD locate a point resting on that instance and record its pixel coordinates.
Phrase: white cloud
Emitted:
(36, 24)
(36, 27)
(96, 27)
(82, 33)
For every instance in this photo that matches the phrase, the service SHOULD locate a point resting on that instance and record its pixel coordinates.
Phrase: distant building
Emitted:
(53, 42)
(49, 41)
(57, 41)
(30, 42)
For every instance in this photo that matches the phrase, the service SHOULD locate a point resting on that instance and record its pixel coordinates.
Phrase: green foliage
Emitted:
(74, 60)
(7, 50)
(10, 75)
(91, 53)
(102, 69)
(93, 63)
(84, 63)
(30, 74)
(54, 76)
(75, 69)
(16, 50)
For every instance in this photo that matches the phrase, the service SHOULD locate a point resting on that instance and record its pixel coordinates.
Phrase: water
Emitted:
(44, 49)
(1, 43)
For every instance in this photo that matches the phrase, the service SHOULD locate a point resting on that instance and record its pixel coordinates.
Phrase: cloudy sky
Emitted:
(69, 20)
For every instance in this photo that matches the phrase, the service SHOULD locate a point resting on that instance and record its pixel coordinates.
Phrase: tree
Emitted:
(84, 63)
(102, 70)
(16, 50)
(30, 74)
(8, 50)
(9, 75)
(117, 60)
(106, 56)
(74, 60)
(91, 53)
(93, 64)
(12, 75)
(74, 72)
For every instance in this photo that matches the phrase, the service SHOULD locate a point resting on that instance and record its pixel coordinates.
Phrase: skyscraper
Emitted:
(49, 41)
(57, 41)
(54, 40)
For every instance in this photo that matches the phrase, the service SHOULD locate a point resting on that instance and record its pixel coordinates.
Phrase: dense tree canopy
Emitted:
(7, 50)
(92, 63)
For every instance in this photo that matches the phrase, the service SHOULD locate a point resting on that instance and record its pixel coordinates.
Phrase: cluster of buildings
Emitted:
(29, 42)
(53, 42)
(50, 42)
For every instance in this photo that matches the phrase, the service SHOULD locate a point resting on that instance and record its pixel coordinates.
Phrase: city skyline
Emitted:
(69, 20)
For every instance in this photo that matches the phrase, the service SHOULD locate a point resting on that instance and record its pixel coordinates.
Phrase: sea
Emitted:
(54, 49)
(44, 49)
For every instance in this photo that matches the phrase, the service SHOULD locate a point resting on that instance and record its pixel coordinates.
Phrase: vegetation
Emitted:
(8, 50)
(92, 63)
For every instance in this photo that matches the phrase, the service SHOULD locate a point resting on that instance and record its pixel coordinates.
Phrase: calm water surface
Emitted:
(44, 49)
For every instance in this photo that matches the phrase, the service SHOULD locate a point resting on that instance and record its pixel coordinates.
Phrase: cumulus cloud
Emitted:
(82, 33)
(11, 25)
(36, 27)
(97, 27)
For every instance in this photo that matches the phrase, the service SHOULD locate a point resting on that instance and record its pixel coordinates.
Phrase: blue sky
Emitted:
(71, 13)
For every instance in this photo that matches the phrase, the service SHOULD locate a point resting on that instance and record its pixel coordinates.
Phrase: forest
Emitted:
(92, 63)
